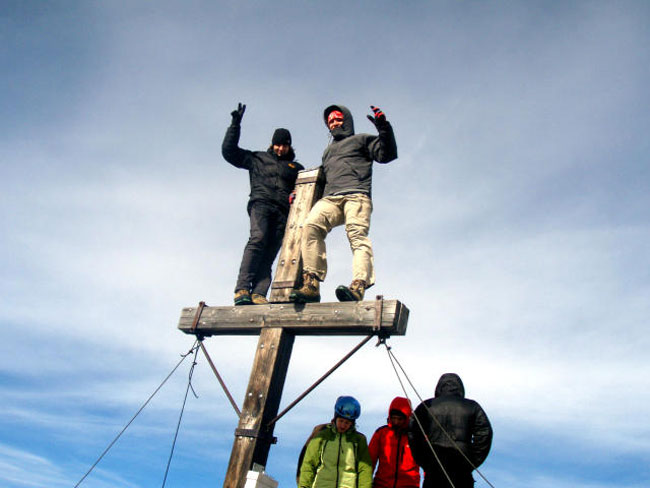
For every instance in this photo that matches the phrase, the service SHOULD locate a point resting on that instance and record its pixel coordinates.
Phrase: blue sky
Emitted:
(514, 225)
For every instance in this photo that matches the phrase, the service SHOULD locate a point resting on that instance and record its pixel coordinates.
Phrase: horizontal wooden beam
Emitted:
(385, 317)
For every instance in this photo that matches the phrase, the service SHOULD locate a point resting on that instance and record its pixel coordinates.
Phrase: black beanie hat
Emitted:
(281, 136)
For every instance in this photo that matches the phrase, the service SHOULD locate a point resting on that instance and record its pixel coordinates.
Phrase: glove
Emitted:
(238, 114)
(292, 197)
(378, 118)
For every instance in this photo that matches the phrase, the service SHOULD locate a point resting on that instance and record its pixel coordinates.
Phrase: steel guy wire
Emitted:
(180, 417)
(183, 356)
(417, 420)
(392, 357)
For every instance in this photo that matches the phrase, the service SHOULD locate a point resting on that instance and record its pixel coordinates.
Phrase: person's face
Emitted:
(398, 421)
(335, 122)
(343, 425)
(281, 149)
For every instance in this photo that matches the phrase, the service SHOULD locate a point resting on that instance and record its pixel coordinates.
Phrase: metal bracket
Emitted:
(379, 306)
(197, 317)
(256, 434)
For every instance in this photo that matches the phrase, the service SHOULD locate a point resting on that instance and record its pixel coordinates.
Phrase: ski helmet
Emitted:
(347, 407)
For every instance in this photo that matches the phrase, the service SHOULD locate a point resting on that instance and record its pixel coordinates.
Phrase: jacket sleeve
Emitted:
(383, 148)
(241, 158)
(365, 465)
(373, 448)
(310, 463)
(481, 436)
(417, 441)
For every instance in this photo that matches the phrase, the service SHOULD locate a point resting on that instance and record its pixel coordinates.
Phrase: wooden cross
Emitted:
(277, 325)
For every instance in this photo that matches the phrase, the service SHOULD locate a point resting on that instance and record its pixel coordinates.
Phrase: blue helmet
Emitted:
(347, 407)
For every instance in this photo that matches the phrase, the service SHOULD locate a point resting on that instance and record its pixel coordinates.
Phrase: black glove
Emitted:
(238, 114)
(378, 118)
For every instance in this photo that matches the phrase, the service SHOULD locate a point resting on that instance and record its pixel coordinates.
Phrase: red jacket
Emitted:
(390, 447)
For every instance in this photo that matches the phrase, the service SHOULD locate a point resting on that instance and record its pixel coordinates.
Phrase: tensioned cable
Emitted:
(392, 357)
(180, 417)
(417, 420)
(319, 381)
(183, 356)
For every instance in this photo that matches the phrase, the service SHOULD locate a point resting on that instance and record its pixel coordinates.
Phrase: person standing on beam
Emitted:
(272, 175)
(347, 199)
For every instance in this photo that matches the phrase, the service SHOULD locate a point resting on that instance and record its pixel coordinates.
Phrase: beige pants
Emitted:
(352, 210)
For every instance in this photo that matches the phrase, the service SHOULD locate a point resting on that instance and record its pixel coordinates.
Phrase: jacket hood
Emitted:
(347, 129)
(401, 404)
(450, 384)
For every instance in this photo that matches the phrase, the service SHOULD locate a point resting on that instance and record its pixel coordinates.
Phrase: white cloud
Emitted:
(19, 468)
(512, 225)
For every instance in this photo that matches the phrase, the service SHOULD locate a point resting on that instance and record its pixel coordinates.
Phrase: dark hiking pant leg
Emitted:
(255, 247)
(456, 467)
(439, 480)
(277, 222)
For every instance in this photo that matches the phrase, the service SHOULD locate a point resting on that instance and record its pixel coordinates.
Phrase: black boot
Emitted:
(353, 293)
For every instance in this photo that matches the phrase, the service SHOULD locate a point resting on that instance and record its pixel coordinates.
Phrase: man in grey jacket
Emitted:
(347, 199)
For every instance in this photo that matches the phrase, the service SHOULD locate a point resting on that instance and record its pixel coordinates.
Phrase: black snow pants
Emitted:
(267, 230)
(456, 466)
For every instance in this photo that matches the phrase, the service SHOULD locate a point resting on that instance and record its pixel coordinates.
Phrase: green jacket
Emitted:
(334, 460)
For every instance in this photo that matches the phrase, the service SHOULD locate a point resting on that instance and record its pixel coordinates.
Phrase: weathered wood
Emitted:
(338, 318)
(253, 436)
(277, 324)
(309, 188)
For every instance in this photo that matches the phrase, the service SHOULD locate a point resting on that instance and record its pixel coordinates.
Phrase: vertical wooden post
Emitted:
(309, 189)
(252, 438)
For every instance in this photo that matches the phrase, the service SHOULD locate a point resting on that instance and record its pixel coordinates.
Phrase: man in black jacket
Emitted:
(458, 430)
(347, 199)
(272, 176)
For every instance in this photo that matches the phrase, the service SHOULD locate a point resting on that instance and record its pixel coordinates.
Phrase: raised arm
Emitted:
(230, 147)
(383, 148)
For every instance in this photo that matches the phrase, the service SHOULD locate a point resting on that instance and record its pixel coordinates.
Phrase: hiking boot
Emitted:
(243, 297)
(258, 299)
(352, 293)
(309, 292)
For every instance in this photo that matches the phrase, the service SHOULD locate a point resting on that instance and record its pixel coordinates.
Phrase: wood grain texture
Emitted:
(336, 318)
(309, 188)
(253, 436)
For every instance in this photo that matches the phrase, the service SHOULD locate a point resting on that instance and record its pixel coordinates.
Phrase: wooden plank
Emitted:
(309, 188)
(253, 437)
(337, 318)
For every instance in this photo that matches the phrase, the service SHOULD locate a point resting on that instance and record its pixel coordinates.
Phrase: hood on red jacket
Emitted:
(402, 405)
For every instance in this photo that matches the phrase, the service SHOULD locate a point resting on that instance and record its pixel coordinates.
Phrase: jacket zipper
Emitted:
(338, 459)
(397, 457)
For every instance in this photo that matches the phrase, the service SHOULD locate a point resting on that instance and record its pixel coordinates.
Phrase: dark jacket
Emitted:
(463, 419)
(390, 448)
(272, 179)
(347, 160)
